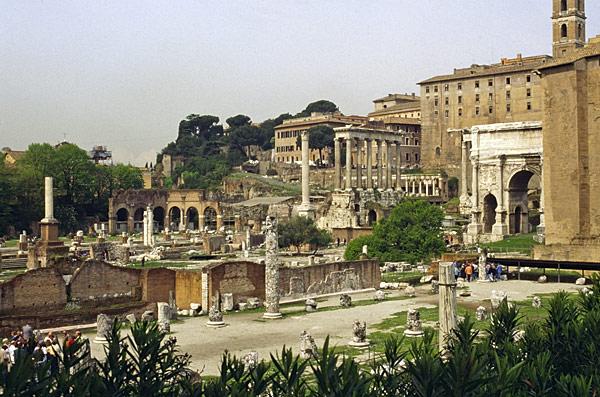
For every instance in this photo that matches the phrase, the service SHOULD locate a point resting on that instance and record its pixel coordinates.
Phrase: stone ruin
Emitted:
(359, 335)
(497, 297)
(345, 300)
(379, 296)
(250, 361)
(435, 287)
(310, 305)
(215, 318)
(414, 327)
(164, 316)
(410, 291)
(308, 347)
(104, 325)
(536, 302)
(481, 313)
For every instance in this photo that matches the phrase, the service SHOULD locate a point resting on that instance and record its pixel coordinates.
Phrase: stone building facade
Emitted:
(395, 106)
(571, 160)
(505, 92)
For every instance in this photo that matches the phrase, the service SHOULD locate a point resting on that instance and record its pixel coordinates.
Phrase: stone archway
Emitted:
(210, 218)
(174, 218)
(122, 220)
(372, 217)
(159, 218)
(519, 187)
(138, 220)
(489, 212)
(192, 217)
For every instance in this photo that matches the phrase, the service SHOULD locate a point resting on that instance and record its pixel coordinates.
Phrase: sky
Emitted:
(123, 73)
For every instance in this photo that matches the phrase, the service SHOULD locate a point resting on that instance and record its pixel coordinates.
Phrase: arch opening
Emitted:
(174, 218)
(210, 219)
(524, 196)
(138, 220)
(372, 217)
(489, 212)
(122, 219)
(192, 219)
(159, 218)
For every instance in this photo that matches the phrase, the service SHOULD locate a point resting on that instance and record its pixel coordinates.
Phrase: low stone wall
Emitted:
(327, 278)
(97, 280)
(242, 279)
(114, 252)
(156, 284)
(348, 233)
(212, 243)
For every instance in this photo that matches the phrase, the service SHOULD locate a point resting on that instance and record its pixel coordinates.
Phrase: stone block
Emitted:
(227, 302)
(580, 281)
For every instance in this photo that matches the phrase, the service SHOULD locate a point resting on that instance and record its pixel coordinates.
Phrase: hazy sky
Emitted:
(123, 73)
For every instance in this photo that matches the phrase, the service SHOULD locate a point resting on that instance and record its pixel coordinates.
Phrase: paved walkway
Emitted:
(249, 332)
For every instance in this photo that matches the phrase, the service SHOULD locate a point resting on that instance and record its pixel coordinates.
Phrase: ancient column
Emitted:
(201, 222)
(349, 144)
(359, 146)
(182, 219)
(379, 165)
(305, 170)
(145, 228)
(406, 186)
(398, 165)
(500, 228)
(48, 200)
(464, 194)
(541, 228)
(104, 325)
(414, 186)
(219, 222)
(271, 270)
(338, 163)
(388, 165)
(369, 164)
(447, 303)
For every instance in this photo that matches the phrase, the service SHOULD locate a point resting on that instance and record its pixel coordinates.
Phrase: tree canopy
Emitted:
(301, 230)
(320, 106)
(319, 137)
(411, 233)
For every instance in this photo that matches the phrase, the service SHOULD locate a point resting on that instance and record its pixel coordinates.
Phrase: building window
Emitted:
(563, 5)
(435, 88)
(476, 97)
(407, 157)
(508, 81)
(446, 87)
(435, 102)
(427, 90)
(416, 157)
(528, 78)
(459, 99)
(563, 31)
(477, 111)
(435, 113)
(490, 97)
(477, 84)
(459, 112)
(528, 92)
(490, 83)
(446, 101)
(580, 32)
(490, 110)
(459, 86)
(508, 95)
(416, 142)
(508, 108)
(447, 113)
(528, 105)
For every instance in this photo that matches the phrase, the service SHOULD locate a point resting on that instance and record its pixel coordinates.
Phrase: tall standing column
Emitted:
(305, 170)
(447, 303)
(398, 165)
(500, 227)
(359, 147)
(48, 199)
(338, 162)
(271, 270)
(369, 164)
(388, 165)
(541, 228)
(349, 144)
(379, 165)
(145, 229)
(150, 227)
(464, 163)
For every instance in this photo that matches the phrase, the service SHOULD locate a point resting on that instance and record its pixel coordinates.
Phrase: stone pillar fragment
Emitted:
(305, 169)
(398, 165)
(271, 270)
(164, 316)
(447, 303)
(104, 325)
(379, 165)
(369, 164)
(359, 147)
(349, 144)
(338, 163)
(388, 165)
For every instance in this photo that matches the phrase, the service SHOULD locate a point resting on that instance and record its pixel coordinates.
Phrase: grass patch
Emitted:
(401, 277)
(522, 243)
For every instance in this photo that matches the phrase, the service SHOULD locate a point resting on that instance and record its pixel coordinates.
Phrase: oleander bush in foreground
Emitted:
(557, 356)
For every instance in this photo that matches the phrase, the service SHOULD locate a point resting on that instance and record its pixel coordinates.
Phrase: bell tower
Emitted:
(568, 26)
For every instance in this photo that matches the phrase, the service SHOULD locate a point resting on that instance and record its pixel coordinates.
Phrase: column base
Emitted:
(215, 324)
(100, 340)
(500, 229)
(272, 316)
(540, 236)
(359, 345)
(306, 210)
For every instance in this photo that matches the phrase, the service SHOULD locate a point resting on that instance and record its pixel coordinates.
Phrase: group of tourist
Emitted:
(469, 271)
(42, 349)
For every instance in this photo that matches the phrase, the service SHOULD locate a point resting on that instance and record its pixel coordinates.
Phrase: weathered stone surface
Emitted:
(435, 287)
(103, 327)
(308, 347)
(164, 316)
(253, 303)
(195, 306)
(426, 279)
(131, 318)
(243, 306)
(345, 300)
(346, 280)
(379, 295)
(481, 313)
(272, 292)
(542, 279)
(250, 360)
(227, 302)
(536, 302)
(413, 324)
(310, 305)
(359, 335)
(296, 285)
(215, 315)
(148, 315)
(580, 281)
(410, 291)
(447, 304)
(497, 297)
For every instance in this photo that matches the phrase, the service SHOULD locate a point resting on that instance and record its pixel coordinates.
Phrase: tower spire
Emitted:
(568, 26)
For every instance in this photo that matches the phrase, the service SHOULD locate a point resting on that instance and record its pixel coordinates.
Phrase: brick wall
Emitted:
(100, 280)
(35, 289)
(188, 288)
(156, 284)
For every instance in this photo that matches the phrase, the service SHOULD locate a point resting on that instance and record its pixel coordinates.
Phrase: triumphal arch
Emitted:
(505, 165)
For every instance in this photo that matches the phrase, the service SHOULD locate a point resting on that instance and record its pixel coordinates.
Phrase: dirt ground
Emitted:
(247, 332)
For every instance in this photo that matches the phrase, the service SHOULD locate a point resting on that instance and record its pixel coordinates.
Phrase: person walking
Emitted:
(469, 272)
